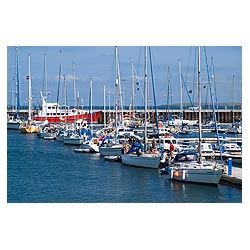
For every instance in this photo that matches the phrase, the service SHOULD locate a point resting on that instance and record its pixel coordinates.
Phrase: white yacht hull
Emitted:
(143, 160)
(196, 175)
(115, 150)
(73, 141)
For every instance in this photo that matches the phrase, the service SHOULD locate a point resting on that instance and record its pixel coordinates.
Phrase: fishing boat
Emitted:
(54, 113)
(189, 166)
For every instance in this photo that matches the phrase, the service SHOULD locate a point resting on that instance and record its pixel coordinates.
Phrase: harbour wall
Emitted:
(222, 115)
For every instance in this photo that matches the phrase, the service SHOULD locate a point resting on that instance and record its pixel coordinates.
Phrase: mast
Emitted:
(181, 89)
(59, 82)
(199, 106)
(116, 88)
(91, 101)
(74, 84)
(154, 94)
(78, 101)
(44, 95)
(45, 79)
(168, 99)
(145, 99)
(109, 106)
(65, 98)
(29, 90)
(104, 106)
(133, 90)
(233, 95)
(17, 86)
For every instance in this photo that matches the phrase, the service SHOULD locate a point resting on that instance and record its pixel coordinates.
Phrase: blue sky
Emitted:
(97, 62)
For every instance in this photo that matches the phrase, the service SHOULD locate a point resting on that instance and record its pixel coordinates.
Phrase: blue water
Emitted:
(49, 171)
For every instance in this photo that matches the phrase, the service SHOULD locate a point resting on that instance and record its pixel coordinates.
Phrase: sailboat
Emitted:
(188, 166)
(90, 144)
(135, 157)
(29, 126)
(111, 146)
(14, 121)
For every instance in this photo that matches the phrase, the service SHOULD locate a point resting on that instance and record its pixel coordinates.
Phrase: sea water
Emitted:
(45, 171)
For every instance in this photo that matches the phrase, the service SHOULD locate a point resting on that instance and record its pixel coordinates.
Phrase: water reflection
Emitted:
(192, 192)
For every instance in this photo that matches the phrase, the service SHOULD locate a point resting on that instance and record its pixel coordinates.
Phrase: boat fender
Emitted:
(184, 174)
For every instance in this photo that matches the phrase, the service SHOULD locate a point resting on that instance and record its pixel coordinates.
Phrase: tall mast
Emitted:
(44, 95)
(74, 83)
(133, 90)
(145, 98)
(181, 89)
(17, 86)
(65, 98)
(91, 101)
(59, 81)
(168, 92)
(116, 88)
(199, 106)
(45, 79)
(29, 90)
(233, 95)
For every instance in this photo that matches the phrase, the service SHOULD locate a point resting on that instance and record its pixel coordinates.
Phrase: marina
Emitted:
(192, 145)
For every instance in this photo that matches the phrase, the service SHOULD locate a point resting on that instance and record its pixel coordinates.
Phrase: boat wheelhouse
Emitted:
(55, 113)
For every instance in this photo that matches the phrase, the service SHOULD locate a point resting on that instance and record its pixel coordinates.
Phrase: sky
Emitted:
(98, 63)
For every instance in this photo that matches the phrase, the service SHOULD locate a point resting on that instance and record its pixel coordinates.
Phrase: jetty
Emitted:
(234, 179)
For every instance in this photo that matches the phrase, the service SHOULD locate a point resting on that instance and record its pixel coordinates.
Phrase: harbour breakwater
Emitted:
(222, 115)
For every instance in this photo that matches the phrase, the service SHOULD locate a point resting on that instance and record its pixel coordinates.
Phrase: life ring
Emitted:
(177, 174)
